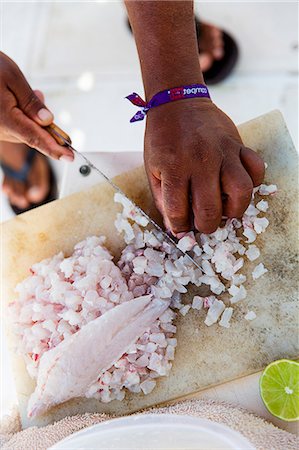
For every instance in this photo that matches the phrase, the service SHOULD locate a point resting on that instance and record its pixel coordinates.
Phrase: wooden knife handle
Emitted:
(57, 133)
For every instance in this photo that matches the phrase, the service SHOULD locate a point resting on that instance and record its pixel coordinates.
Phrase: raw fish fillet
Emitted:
(67, 370)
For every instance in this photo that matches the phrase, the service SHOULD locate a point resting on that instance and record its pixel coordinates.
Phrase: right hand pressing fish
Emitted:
(191, 148)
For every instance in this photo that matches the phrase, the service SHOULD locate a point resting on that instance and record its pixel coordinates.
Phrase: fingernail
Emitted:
(45, 115)
(68, 158)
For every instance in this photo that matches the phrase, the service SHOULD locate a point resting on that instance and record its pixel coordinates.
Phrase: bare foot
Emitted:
(210, 45)
(36, 188)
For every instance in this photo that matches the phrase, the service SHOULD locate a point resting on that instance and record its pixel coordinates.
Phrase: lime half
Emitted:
(279, 387)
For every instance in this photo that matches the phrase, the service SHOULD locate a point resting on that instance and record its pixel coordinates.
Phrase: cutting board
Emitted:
(205, 356)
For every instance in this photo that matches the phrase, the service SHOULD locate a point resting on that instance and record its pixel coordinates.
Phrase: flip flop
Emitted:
(221, 68)
(22, 175)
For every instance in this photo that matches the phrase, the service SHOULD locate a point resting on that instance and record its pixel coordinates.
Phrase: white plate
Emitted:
(156, 432)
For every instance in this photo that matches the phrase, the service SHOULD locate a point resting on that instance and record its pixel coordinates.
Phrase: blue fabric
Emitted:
(22, 174)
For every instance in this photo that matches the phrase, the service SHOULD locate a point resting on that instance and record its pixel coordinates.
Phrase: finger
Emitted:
(156, 190)
(155, 185)
(206, 202)
(36, 137)
(253, 164)
(175, 198)
(28, 101)
(237, 187)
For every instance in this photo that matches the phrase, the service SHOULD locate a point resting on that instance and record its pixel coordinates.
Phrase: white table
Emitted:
(244, 391)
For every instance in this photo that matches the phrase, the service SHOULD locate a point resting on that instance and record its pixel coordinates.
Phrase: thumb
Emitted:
(29, 102)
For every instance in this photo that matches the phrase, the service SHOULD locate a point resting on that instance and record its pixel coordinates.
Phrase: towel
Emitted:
(263, 435)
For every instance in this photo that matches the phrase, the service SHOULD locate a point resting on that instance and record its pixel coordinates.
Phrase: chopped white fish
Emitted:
(250, 234)
(220, 234)
(208, 301)
(124, 201)
(207, 249)
(214, 312)
(250, 315)
(262, 205)
(207, 268)
(260, 224)
(197, 250)
(197, 302)
(139, 264)
(238, 265)
(216, 286)
(258, 271)
(238, 279)
(238, 293)
(97, 346)
(184, 309)
(252, 252)
(225, 318)
(63, 295)
(267, 190)
(170, 352)
(187, 242)
(147, 386)
(251, 210)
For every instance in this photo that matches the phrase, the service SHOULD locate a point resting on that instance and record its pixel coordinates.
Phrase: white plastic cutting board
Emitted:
(205, 356)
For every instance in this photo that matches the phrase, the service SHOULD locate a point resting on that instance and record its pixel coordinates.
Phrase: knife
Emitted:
(63, 139)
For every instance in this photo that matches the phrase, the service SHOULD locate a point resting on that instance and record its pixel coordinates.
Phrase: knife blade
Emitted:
(63, 139)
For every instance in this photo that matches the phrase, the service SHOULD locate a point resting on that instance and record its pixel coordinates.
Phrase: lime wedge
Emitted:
(279, 388)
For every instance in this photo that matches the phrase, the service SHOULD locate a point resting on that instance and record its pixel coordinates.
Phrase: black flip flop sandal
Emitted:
(22, 175)
(221, 68)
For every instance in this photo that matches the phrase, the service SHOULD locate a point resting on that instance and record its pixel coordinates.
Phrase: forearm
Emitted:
(166, 42)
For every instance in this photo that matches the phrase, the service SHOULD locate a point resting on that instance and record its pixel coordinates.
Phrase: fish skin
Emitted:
(96, 347)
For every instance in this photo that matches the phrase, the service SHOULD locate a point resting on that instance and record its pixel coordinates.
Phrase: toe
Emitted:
(38, 182)
(6, 186)
(211, 41)
(20, 194)
(16, 192)
(218, 52)
(205, 60)
(216, 32)
(217, 43)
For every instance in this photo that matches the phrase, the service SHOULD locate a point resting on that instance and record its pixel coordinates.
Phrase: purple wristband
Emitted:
(170, 95)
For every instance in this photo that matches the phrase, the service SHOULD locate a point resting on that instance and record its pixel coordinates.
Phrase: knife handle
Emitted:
(58, 134)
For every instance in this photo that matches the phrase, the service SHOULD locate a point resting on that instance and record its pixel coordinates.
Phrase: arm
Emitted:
(23, 114)
(192, 149)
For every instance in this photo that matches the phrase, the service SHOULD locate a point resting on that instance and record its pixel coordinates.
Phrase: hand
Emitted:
(198, 168)
(23, 113)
